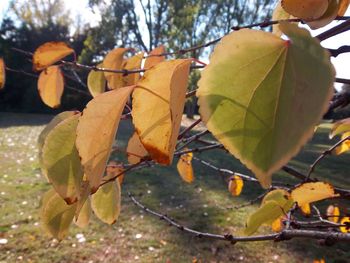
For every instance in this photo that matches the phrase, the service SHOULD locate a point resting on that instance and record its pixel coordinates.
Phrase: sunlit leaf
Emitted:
(261, 96)
(235, 185)
(327, 17)
(113, 170)
(50, 86)
(184, 167)
(2, 73)
(114, 61)
(345, 221)
(106, 202)
(268, 212)
(343, 6)
(340, 127)
(61, 159)
(56, 215)
(277, 225)
(305, 9)
(84, 215)
(154, 58)
(49, 53)
(279, 14)
(319, 261)
(96, 132)
(132, 63)
(160, 95)
(333, 213)
(312, 192)
(306, 209)
(274, 205)
(344, 147)
(96, 81)
(135, 149)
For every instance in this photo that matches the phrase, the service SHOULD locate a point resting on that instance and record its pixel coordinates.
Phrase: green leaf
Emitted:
(61, 159)
(56, 215)
(106, 202)
(261, 96)
(96, 82)
(84, 215)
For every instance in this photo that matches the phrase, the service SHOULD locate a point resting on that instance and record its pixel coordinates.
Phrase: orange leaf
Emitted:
(96, 132)
(131, 64)
(2, 73)
(345, 221)
(50, 86)
(343, 6)
(333, 213)
(114, 61)
(235, 185)
(135, 149)
(278, 225)
(344, 147)
(49, 53)
(305, 9)
(184, 167)
(153, 59)
(160, 96)
(305, 209)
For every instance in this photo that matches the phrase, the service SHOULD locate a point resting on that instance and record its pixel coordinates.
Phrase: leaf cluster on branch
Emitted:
(261, 97)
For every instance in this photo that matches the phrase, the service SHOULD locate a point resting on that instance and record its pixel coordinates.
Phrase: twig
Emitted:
(189, 128)
(283, 235)
(323, 155)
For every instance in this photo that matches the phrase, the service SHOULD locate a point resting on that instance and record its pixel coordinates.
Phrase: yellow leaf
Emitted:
(96, 82)
(96, 132)
(113, 170)
(305, 209)
(319, 261)
(84, 215)
(132, 64)
(340, 127)
(135, 149)
(279, 14)
(114, 61)
(50, 86)
(160, 95)
(333, 213)
(56, 215)
(278, 225)
(235, 185)
(49, 53)
(184, 167)
(343, 6)
(154, 58)
(312, 192)
(2, 73)
(345, 221)
(106, 202)
(344, 147)
(305, 9)
(327, 17)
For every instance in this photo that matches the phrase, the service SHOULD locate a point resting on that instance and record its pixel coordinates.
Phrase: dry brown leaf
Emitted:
(51, 85)
(49, 53)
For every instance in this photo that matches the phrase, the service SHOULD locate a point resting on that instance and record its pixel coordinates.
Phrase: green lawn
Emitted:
(138, 237)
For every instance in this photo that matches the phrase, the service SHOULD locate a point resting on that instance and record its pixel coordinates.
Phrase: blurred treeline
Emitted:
(141, 24)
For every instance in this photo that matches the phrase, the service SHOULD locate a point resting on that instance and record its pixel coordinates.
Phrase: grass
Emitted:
(138, 237)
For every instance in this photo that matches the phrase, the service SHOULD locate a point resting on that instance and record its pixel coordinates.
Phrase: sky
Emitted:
(80, 7)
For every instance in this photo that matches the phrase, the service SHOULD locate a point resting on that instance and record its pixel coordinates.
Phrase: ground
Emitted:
(138, 237)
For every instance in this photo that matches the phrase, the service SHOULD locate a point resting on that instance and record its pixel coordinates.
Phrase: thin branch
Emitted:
(323, 155)
(283, 235)
(199, 149)
(188, 129)
(334, 30)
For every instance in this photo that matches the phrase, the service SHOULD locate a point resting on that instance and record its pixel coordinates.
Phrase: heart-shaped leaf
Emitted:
(261, 96)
